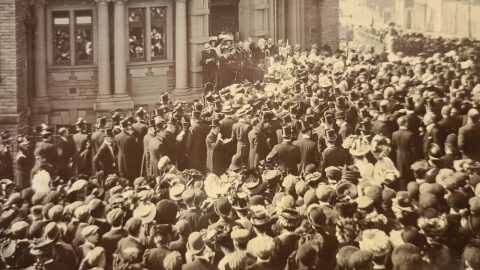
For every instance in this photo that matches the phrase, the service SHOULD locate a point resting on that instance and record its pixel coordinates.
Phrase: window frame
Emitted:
(50, 9)
(168, 56)
(137, 59)
(83, 26)
(66, 27)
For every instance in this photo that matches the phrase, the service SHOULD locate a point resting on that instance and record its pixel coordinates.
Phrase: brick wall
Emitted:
(329, 22)
(13, 68)
(312, 22)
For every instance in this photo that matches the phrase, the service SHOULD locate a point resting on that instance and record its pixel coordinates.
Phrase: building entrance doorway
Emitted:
(223, 17)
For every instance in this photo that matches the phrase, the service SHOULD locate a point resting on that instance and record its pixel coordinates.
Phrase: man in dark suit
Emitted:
(258, 143)
(334, 155)
(215, 144)
(286, 154)
(226, 125)
(154, 257)
(110, 239)
(45, 153)
(469, 136)
(344, 129)
(140, 129)
(65, 152)
(80, 138)
(209, 63)
(404, 148)
(196, 148)
(126, 143)
(156, 148)
(146, 155)
(97, 136)
(447, 125)
(105, 159)
(383, 125)
(308, 148)
(240, 135)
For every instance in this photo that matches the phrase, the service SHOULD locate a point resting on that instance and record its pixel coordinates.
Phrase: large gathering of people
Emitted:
(343, 160)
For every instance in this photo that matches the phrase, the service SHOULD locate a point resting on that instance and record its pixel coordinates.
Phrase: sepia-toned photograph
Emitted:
(240, 134)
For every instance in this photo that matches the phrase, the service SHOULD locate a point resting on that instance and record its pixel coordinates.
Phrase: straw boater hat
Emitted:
(146, 212)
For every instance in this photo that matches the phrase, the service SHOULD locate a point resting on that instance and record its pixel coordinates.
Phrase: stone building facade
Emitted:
(65, 59)
(458, 18)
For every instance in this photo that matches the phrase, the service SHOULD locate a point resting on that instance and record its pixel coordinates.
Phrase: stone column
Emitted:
(40, 51)
(280, 19)
(181, 56)
(120, 48)
(103, 51)
(198, 29)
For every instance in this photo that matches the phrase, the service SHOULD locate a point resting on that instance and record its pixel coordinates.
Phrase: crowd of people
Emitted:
(335, 161)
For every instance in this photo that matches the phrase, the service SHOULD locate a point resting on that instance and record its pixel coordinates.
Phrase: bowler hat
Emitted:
(222, 207)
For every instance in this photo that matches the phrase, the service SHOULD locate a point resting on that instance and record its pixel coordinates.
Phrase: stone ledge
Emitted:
(14, 118)
(109, 103)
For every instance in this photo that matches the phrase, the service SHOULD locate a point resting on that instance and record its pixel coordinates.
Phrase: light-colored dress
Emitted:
(384, 169)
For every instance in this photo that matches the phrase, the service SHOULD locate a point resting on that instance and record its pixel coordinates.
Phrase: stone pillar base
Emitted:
(112, 102)
(187, 94)
(42, 104)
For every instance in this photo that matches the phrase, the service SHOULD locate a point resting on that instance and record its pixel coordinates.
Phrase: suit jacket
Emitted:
(382, 127)
(126, 151)
(146, 154)
(196, 148)
(287, 156)
(308, 152)
(345, 130)
(80, 139)
(97, 140)
(195, 218)
(335, 156)
(447, 126)
(66, 154)
(414, 123)
(258, 147)
(46, 150)
(154, 257)
(230, 148)
(156, 150)
(240, 135)
(198, 264)
(469, 141)
(109, 242)
(215, 155)
(140, 129)
(105, 160)
(263, 266)
(404, 147)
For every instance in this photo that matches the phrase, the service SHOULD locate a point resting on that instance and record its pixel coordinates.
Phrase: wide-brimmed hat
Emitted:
(253, 184)
(271, 175)
(146, 212)
(43, 247)
(359, 147)
(259, 218)
(346, 188)
(176, 191)
(195, 243)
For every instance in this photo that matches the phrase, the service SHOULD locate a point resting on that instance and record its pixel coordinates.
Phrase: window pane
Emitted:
(136, 20)
(83, 36)
(158, 26)
(61, 37)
